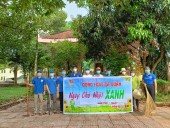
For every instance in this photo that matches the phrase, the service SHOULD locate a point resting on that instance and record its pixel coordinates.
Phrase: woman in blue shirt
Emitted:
(149, 80)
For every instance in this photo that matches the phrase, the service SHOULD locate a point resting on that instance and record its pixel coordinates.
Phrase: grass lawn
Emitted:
(163, 97)
(12, 92)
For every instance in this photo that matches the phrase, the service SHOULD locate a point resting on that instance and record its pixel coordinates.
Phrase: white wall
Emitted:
(8, 73)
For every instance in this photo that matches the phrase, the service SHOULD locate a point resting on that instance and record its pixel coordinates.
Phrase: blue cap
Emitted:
(87, 68)
(51, 71)
(39, 71)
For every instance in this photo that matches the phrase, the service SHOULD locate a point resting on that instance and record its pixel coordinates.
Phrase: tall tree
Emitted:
(19, 24)
(122, 22)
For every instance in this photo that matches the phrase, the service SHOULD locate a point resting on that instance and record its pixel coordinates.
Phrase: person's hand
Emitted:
(44, 93)
(144, 84)
(48, 92)
(155, 91)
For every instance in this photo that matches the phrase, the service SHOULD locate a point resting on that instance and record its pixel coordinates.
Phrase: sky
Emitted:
(72, 10)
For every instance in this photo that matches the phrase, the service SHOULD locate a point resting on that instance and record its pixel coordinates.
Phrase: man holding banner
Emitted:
(75, 73)
(87, 72)
(60, 82)
(98, 72)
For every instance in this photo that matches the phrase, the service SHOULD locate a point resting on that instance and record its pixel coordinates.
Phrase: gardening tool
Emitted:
(150, 106)
(50, 104)
(27, 97)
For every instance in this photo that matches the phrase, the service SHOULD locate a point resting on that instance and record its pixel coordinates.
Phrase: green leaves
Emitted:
(63, 53)
(139, 32)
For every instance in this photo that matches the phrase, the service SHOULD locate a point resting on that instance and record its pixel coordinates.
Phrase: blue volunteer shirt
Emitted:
(60, 82)
(52, 85)
(149, 79)
(39, 84)
(76, 75)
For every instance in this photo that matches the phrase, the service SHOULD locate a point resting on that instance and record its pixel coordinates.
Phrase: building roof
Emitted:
(58, 37)
(62, 35)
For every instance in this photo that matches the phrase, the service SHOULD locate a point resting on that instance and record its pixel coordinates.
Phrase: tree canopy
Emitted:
(119, 23)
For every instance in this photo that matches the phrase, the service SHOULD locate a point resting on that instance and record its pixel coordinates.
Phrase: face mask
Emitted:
(98, 72)
(147, 71)
(63, 73)
(123, 73)
(87, 71)
(75, 70)
(51, 74)
(132, 74)
(108, 72)
(39, 74)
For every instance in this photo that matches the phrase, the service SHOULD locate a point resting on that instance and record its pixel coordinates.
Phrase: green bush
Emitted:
(163, 86)
(162, 82)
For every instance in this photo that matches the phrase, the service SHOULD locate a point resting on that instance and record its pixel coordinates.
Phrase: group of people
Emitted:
(49, 85)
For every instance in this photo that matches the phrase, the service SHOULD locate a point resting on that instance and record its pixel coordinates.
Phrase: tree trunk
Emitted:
(168, 68)
(159, 60)
(80, 62)
(68, 66)
(15, 75)
(36, 59)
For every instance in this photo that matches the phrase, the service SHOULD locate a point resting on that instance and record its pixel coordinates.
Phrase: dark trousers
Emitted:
(54, 99)
(151, 90)
(137, 103)
(61, 100)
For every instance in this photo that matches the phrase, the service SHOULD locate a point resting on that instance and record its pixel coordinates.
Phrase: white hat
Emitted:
(123, 70)
(137, 93)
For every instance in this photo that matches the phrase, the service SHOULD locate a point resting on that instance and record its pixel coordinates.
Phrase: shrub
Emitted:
(163, 86)
(162, 82)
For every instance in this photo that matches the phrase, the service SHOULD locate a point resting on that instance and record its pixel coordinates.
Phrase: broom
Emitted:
(150, 106)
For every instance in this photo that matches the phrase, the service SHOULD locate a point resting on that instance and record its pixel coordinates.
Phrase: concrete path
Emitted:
(14, 117)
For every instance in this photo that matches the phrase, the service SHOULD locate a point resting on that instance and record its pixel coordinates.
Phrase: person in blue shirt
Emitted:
(52, 83)
(108, 72)
(75, 73)
(87, 72)
(60, 82)
(39, 84)
(149, 81)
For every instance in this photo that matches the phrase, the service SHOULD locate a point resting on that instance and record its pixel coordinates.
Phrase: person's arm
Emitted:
(155, 84)
(46, 88)
(143, 82)
(31, 84)
(138, 82)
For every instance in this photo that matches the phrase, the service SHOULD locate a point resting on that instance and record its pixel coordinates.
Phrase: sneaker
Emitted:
(46, 112)
(40, 114)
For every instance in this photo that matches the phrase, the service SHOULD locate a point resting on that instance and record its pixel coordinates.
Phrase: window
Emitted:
(1, 71)
(4, 78)
(10, 71)
(4, 71)
(1, 78)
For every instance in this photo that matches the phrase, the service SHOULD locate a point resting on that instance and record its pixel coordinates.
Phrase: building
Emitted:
(7, 75)
(58, 37)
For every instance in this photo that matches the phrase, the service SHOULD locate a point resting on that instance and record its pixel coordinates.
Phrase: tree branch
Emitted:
(159, 59)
